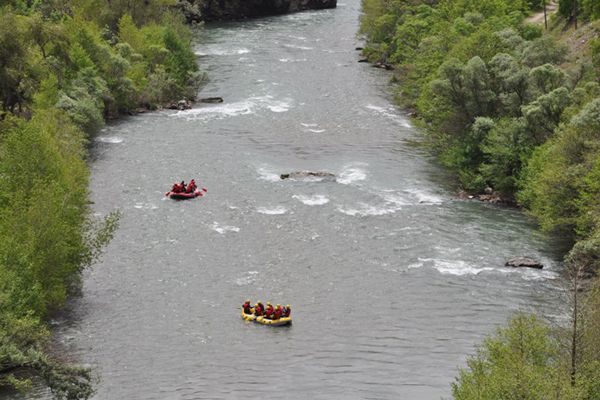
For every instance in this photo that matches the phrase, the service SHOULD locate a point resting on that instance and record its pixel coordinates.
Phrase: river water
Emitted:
(392, 280)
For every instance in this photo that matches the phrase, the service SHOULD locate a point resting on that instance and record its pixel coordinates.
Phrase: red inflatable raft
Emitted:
(184, 196)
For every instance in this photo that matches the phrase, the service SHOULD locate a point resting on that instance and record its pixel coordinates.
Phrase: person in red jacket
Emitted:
(191, 187)
(287, 310)
(278, 311)
(269, 310)
(178, 187)
(247, 307)
(259, 309)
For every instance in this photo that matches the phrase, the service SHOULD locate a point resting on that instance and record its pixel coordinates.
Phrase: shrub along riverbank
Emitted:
(512, 108)
(66, 66)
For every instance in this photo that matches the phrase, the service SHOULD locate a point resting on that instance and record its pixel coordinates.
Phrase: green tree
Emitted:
(515, 363)
(506, 148)
(544, 114)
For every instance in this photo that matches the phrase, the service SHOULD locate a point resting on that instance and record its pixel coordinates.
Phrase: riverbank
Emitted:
(495, 96)
(513, 109)
(65, 70)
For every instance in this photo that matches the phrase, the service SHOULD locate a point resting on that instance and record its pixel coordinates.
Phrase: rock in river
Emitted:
(307, 174)
(524, 262)
(211, 100)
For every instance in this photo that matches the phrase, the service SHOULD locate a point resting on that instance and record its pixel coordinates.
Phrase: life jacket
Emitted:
(247, 308)
(191, 187)
(286, 312)
(258, 310)
(277, 313)
(269, 311)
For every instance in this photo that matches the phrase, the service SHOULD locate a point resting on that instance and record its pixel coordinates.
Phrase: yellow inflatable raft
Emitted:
(266, 321)
(248, 317)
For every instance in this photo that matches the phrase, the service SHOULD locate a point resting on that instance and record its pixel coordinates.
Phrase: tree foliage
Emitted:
(497, 102)
(503, 110)
(65, 65)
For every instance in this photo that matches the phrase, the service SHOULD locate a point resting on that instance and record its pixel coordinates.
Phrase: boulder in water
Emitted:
(307, 174)
(211, 100)
(524, 262)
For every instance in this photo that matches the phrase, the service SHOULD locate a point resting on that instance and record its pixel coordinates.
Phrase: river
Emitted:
(391, 279)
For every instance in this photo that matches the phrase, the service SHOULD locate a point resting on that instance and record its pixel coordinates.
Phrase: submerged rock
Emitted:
(524, 262)
(307, 174)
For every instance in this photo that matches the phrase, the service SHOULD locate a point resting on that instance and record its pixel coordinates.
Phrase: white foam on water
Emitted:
(248, 279)
(219, 51)
(279, 107)
(287, 60)
(278, 210)
(267, 175)
(316, 200)
(367, 210)
(351, 174)
(455, 267)
(448, 249)
(294, 46)
(316, 130)
(531, 274)
(109, 139)
(395, 198)
(218, 112)
(415, 265)
(145, 206)
(222, 229)
(227, 110)
(424, 197)
(308, 125)
(391, 113)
